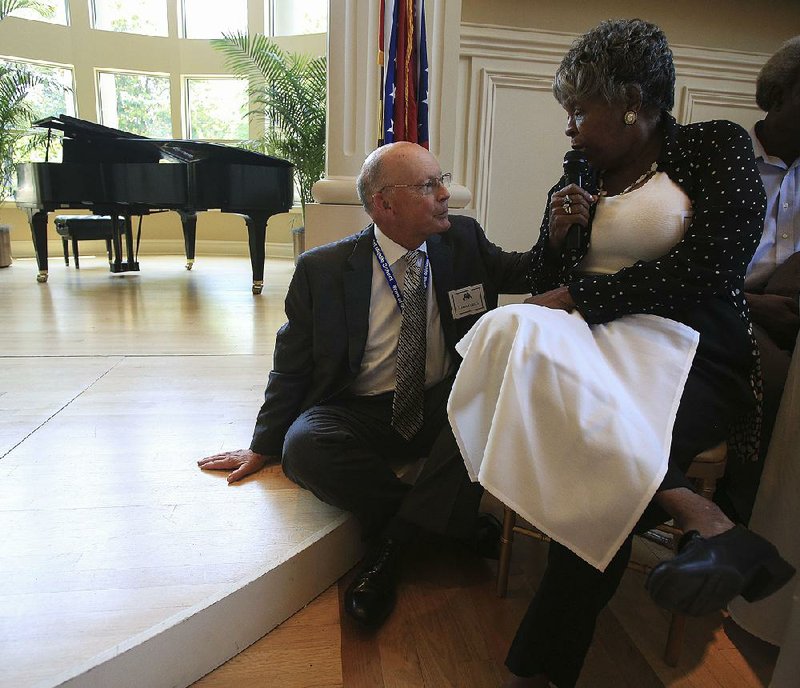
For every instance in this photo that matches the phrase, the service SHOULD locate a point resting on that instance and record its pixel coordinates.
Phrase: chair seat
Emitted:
(716, 455)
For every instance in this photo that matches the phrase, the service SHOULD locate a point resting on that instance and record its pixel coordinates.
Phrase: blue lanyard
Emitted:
(389, 275)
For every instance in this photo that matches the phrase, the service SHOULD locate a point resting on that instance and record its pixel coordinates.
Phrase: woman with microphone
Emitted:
(660, 235)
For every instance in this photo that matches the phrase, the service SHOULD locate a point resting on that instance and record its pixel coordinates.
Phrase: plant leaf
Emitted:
(288, 92)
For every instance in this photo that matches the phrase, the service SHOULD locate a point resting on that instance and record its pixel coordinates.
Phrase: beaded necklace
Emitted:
(640, 181)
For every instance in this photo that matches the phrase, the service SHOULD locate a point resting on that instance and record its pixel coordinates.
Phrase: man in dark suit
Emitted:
(330, 409)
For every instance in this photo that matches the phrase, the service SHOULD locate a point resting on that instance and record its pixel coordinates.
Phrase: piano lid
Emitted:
(80, 128)
(130, 147)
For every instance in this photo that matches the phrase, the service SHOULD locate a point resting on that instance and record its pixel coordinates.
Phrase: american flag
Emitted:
(405, 86)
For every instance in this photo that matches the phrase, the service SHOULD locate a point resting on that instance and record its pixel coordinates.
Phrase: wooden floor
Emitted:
(112, 386)
(449, 629)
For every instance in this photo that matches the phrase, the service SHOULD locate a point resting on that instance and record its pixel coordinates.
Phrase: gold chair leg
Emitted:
(506, 545)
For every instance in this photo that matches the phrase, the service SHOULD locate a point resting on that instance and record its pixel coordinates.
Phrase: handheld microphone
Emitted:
(576, 171)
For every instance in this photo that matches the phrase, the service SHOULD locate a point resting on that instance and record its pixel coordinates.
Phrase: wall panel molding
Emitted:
(691, 98)
(490, 84)
(483, 40)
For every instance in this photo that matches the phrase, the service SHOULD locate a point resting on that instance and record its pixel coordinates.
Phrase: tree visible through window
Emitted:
(51, 11)
(138, 103)
(53, 94)
(217, 109)
(49, 92)
(292, 18)
(147, 17)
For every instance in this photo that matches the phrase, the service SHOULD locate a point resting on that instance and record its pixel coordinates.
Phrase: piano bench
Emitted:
(77, 228)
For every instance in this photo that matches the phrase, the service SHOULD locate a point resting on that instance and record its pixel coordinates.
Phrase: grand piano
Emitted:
(123, 175)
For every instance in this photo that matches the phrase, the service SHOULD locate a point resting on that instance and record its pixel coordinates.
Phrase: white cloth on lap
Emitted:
(569, 424)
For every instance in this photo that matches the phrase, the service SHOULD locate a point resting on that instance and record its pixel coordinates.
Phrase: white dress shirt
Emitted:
(781, 236)
(377, 374)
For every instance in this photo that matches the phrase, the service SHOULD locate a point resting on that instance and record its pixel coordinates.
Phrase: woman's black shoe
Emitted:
(707, 573)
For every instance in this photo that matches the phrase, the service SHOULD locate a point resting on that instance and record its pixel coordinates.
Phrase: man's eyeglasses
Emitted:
(425, 188)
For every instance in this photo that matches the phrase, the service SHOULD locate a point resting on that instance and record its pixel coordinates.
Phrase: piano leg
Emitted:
(257, 235)
(118, 228)
(129, 250)
(38, 222)
(189, 224)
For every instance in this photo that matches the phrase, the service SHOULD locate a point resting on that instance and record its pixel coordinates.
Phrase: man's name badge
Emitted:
(467, 301)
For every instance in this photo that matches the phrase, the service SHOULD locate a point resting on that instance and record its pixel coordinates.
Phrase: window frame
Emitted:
(93, 21)
(52, 65)
(99, 99)
(186, 120)
(34, 16)
(182, 23)
(269, 22)
(22, 132)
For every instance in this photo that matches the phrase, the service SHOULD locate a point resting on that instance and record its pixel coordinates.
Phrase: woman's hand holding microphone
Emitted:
(568, 207)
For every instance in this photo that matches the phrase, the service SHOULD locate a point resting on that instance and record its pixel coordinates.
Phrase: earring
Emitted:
(630, 117)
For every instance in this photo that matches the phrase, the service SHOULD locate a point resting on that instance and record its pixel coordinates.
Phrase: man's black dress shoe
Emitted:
(707, 573)
(370, 598)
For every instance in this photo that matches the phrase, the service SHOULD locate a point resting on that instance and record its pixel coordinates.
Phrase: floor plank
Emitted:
(303, 652)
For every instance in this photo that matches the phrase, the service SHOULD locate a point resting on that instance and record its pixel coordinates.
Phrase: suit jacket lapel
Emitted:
(357, 293)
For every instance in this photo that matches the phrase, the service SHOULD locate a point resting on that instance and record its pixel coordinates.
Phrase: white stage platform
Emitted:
(122, 563)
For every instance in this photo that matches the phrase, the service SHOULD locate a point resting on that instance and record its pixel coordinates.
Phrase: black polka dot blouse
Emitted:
(713, 163)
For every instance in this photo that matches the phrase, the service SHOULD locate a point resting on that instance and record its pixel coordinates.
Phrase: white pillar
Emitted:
(353, 90)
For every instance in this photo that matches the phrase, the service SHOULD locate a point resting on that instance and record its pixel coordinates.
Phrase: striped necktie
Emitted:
(409, 390)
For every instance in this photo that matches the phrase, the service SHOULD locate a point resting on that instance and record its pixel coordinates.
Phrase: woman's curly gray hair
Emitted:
(778, 75)
(612, 57)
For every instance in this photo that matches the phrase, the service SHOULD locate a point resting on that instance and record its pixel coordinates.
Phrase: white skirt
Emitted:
(568, 424)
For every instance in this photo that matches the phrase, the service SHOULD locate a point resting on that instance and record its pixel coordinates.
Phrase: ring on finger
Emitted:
(568, 209)
(566, 201)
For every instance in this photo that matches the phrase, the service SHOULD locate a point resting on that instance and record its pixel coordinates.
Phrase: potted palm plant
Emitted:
(288, 94)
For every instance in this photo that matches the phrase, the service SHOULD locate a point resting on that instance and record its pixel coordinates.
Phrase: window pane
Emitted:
(137, 103)
(291, 18)
(217, 109)
(132, 16)
(203, 19)
(51, 94)
(58, 15)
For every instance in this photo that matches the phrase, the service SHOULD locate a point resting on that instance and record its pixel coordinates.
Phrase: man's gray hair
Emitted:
(612, 58)
(778, 75)
(370, 178)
